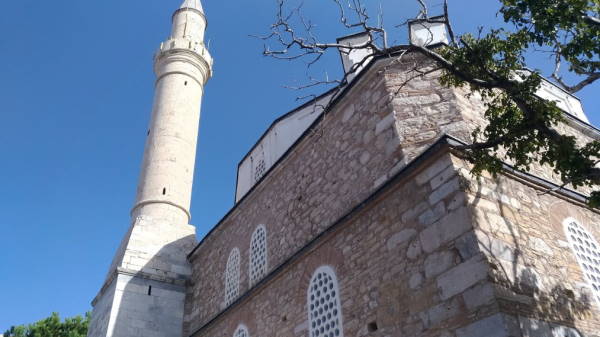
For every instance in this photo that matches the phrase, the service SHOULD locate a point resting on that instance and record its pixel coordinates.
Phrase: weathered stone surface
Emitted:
(438, 263)
(400, 238)
(461, 277)
(493, 326)
(444, 190)
(479, 296)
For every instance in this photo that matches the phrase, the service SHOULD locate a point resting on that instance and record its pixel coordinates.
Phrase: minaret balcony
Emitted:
(186, 45)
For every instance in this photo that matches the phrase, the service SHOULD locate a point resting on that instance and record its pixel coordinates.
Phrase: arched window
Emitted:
(241, 331)
(324, 308)
(258, 255)
(232, 276)
(587, 252)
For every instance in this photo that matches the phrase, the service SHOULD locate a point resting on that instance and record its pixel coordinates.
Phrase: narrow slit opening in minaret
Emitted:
(148, 133)
(149, 290)
(164, 191)
(185, 83)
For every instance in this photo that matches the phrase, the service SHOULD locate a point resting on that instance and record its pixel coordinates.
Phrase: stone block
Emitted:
(400, 238)
(455, 223)
(414, 249)
(413, 212)
(479, 296)
(495, 248)
(430, 239)
(433, 170)
(462, 277)
(433, 214)
(444, 190)
(442, 177)
(440, 313)
(467, 246)
(493, 326)
(415, 281)
(385, 123)
(540, 245)
(438, 263)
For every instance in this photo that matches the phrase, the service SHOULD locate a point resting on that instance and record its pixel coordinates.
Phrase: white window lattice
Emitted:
(324, 309)
(587, 251)
(260, 170)
(258, 254)
(232, 276)
(241, 331)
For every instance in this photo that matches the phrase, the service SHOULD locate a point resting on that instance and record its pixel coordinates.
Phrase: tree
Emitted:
(522, 127)
(52, 327)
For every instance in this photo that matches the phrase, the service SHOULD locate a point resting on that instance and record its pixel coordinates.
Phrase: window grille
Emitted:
(232, 276)
(260, 170)
(241, 331)
(587, 252)
(324, 309)
(258, 255)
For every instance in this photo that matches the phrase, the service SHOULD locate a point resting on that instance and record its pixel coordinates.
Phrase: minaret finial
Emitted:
(194, 4)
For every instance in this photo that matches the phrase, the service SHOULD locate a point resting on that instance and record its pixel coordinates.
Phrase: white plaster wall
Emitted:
(101, 313)
(359, 56)
(567, 102)
(276, 142)
(137, 313)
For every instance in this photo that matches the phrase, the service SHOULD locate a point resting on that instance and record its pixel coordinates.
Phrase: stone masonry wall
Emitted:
(352, 151)
(376, 129)
(536, 276)
(407, 262)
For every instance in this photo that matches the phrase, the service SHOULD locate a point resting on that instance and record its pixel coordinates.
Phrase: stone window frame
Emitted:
(241, 331)
(258, 269)
(232, 276)
(323, 304)
(586, 251)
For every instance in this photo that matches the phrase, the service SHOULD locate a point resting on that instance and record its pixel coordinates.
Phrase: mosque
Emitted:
(358, 217)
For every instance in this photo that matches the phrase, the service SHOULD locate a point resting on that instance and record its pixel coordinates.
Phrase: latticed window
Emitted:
(232, 276)
(241, 331)
(260, 170)
(258, 254)
(324, 309)
(587, 252)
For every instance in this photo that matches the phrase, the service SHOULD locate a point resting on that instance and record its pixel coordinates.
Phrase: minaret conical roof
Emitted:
(194, 4)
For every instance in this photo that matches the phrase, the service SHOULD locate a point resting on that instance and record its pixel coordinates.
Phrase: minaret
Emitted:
(144, 291)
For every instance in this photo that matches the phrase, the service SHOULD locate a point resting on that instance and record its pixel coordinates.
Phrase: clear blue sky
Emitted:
(76, 88)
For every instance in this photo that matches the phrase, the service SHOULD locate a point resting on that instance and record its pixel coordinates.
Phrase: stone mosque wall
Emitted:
(334, 167)
(420, 257)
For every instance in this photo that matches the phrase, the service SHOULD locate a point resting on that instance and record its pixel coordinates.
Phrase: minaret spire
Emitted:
(193, 4)
(150, 266)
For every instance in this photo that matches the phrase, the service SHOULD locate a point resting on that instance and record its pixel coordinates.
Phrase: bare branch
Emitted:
(592, 20)
(577, 87)
(423, 14)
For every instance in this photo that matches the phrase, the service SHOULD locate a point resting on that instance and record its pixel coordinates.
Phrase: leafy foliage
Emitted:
(52, 327)
(521, 126)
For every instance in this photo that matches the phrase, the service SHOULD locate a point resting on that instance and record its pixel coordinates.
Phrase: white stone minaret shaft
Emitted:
(182, 67)
(144, 292)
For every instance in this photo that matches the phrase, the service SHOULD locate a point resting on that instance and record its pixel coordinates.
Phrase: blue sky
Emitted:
(76, 88)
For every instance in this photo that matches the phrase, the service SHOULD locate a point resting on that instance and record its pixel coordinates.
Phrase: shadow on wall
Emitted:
(545, 305)
(150, 301)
